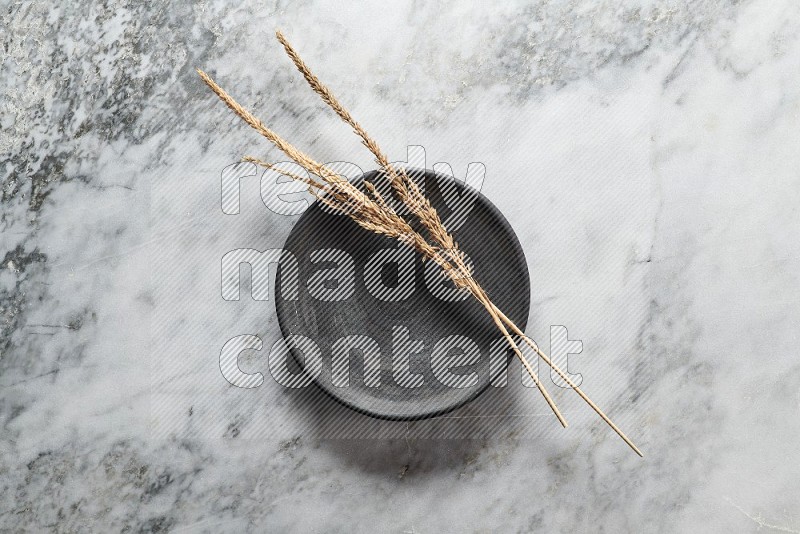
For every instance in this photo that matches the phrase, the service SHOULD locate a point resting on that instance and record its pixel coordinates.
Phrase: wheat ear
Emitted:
(428, 216)
(410, 194)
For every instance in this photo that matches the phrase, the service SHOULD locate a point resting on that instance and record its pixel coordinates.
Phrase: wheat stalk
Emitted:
(409, 192)
(373, 213)
(411, 195)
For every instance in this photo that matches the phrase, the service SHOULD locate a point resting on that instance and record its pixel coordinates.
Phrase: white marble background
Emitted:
(646, 152)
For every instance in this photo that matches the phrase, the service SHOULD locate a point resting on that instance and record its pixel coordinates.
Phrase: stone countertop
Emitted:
(645, 152)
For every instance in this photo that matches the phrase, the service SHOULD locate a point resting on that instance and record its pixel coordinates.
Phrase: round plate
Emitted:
(408, 319)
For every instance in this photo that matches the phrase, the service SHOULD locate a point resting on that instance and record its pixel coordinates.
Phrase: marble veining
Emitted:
(645, 152)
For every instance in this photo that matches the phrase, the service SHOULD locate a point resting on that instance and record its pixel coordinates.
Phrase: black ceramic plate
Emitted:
(500, 268)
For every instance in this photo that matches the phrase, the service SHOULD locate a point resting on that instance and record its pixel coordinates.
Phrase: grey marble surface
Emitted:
(646, 153)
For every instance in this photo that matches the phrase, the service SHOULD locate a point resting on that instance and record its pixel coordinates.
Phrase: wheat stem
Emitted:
(410, 194)
(569, 381)
(428, 216)
(374, 214)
